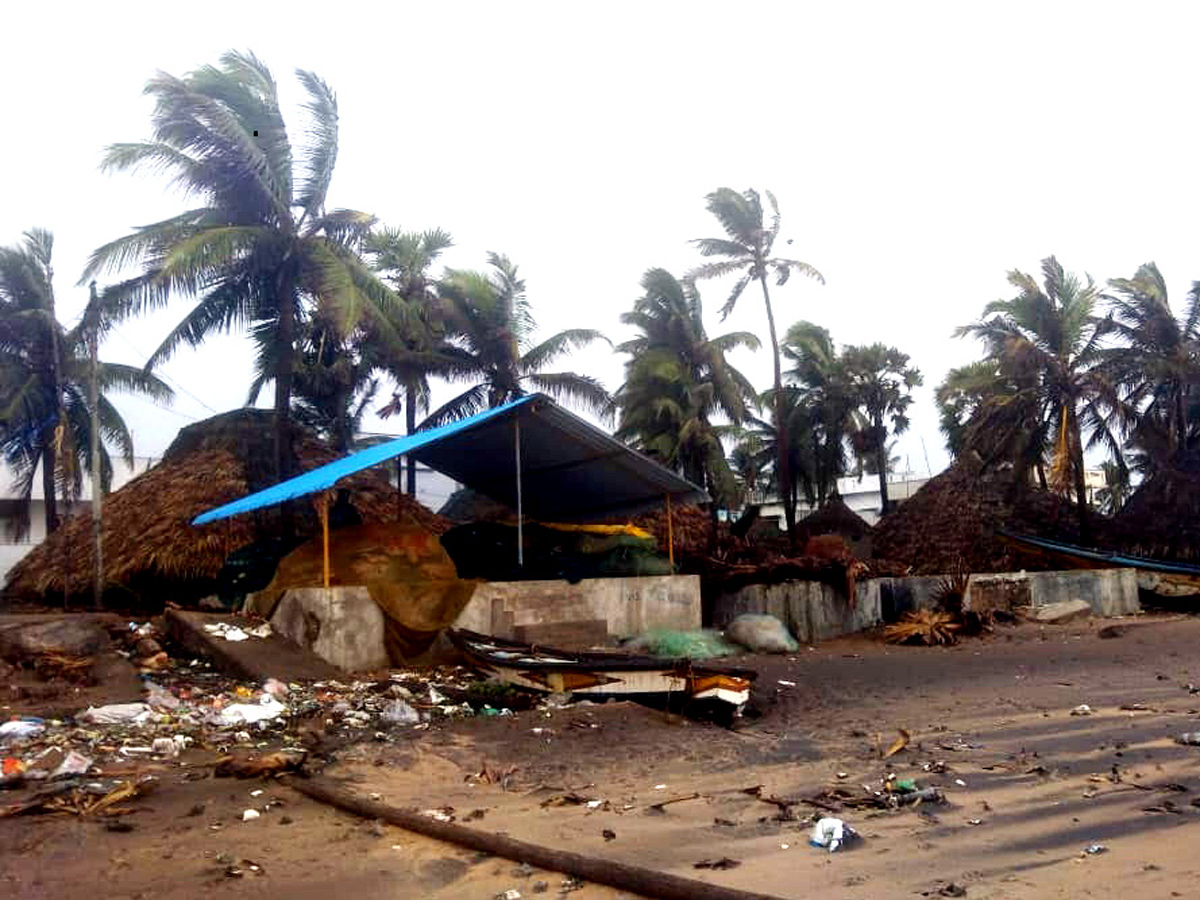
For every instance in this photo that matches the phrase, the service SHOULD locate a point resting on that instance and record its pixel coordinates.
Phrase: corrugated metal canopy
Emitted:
(571, 471)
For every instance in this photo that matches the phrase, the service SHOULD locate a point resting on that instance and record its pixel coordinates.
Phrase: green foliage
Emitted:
(879, 381)
(259, 249)
(1048, 341)
(746, 251)
(1157, 370)
(677, 381)
(45, 416)
(489, 320)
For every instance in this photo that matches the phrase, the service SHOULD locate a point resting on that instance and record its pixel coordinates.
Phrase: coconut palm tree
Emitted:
(404, 258)
(1051, 329)
(490, 322)
(678, 381)
(1157, 368)
(746, 251)
(258, 246)
(333, 381)
(880, 381)
(824, 415)
(45, 416)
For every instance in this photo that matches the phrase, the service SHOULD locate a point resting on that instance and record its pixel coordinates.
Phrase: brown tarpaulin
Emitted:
(404, 568)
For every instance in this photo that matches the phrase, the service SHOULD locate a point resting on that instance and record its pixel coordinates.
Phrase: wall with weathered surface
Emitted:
(1110, 592)
(811, 610)
(629, 606)
(342, 625)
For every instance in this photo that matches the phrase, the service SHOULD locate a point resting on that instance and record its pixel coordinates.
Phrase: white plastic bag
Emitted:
(830, 833)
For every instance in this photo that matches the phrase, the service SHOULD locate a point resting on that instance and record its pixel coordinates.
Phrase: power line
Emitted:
(171, 381)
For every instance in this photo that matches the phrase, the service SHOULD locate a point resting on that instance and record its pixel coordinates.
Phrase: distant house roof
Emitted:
(570, 470)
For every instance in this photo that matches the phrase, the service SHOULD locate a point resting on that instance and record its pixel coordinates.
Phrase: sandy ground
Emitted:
(1038, 785)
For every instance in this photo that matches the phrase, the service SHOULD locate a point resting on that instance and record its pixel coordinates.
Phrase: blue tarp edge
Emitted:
(326, 476)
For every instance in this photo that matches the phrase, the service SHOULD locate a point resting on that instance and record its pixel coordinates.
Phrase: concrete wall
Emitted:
(812, 610)
(1110, 592)
(629, 606)
(815, 611)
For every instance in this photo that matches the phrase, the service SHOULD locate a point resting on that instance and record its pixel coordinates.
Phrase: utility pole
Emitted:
(97, 487)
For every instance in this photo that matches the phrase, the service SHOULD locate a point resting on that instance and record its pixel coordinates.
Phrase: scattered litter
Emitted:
(510, 894)
(898, 744)
(73, 764)
(1191, 738)
(1082, 710)
(436, 696)
(723, 862)
(960, 782)
(831, 834)
(117, 714)
(250, 814)
(784, 846)
(445, 814)
(974, 821)
(660, 787)
(787, 683)
(397, 712)
(19, 730)
(1094, 849)
(256, 766)
(249, 713)
(226, 631)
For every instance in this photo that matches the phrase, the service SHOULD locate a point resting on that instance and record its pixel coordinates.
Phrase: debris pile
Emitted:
(952, 521)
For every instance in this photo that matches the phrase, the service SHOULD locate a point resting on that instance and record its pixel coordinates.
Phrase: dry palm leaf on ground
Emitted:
(923, 627)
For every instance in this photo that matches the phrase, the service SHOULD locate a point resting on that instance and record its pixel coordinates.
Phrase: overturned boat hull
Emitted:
(1160, 577)
(592, 674)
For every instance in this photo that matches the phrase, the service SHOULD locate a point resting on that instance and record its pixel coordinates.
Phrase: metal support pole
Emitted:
(670, 535)
(323, 511)
(520, 504)
(97, 486)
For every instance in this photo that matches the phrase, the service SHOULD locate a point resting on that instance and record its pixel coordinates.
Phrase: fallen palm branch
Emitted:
(923, 627)
(646, 882)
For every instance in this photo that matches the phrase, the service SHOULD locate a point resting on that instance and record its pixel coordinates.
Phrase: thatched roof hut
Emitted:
(950, 523)
(153, 553)
(835, 517)
(1162, 518)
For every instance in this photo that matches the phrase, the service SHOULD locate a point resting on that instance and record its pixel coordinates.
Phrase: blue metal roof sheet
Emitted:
(570, 469)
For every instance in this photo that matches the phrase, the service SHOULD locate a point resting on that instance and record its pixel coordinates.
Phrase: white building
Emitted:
(860, 494)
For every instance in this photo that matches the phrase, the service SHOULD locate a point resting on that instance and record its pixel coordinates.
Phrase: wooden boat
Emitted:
(1166, 578)
(594, 674)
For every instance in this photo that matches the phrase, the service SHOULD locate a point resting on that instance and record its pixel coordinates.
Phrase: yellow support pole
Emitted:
(323, 510)
(670, 535)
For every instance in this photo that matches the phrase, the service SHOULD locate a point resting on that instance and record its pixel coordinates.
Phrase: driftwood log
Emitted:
(646, 882)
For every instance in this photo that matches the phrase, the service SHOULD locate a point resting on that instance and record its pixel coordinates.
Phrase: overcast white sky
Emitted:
(918, 151)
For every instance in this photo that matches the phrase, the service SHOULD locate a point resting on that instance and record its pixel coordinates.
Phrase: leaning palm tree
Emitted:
(490, 322)
(1051, 329)
(1158, 367)
(404, 258)
(45, 416)
(258, 247)
(746, 252)
(678, 381)
(823, 413)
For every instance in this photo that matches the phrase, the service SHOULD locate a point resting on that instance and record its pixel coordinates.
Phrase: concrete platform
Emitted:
(256, 659)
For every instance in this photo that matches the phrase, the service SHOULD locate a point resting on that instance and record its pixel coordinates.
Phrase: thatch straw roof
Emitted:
(150, 545)
(950, 523)
(835, 517)
(1162, 518)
